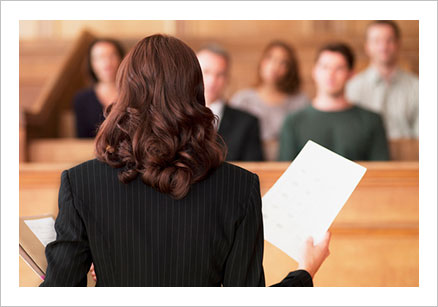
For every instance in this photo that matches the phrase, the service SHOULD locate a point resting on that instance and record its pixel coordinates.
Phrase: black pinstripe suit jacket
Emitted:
(137, 236)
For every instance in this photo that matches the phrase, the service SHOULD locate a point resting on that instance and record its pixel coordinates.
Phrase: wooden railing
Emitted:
(404, 150)
(43, 113)
(375, 236)
(65, 150)
(61, 82)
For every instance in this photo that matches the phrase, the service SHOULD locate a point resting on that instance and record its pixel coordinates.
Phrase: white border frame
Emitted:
(12, 12)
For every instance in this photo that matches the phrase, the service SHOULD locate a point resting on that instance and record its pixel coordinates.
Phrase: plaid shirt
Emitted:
(396, 100)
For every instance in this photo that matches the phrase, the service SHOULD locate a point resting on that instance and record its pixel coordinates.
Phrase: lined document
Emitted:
(307, 198)
(43, 228)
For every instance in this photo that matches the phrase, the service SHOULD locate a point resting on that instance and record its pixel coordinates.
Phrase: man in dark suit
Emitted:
(239, 129)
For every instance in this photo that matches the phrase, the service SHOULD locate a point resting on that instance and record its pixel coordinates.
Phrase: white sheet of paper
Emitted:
(307, 197)
(44, 229)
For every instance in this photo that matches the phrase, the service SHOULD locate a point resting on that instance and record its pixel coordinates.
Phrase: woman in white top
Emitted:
(277, 93)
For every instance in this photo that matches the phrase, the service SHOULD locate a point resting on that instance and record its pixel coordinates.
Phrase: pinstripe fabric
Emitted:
(137, 236)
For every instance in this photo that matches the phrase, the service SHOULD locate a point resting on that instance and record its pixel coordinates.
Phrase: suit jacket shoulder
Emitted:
(240, 131)
(87, 177)
(240, 114)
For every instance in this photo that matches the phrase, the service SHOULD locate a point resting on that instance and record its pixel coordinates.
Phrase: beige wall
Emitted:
(249, 29)
(69, 29)
(245, 39)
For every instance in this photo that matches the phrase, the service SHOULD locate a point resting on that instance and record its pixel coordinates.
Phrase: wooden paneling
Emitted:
(374, 238)
(357, 260)
(404, 149)
(28, 278)
(39, 61)
(61, 150)
(387, 195)
(70, 29)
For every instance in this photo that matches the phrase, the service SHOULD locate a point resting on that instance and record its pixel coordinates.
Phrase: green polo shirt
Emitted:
(355, 133)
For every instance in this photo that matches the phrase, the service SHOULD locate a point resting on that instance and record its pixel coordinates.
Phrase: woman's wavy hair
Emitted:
(291, 81)
(159, 127)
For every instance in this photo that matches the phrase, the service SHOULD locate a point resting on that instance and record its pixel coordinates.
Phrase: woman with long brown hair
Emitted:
(275, 94)
(159, 206)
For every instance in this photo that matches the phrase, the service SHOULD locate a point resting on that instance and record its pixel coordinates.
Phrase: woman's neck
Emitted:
(107, 86)
(106, 92)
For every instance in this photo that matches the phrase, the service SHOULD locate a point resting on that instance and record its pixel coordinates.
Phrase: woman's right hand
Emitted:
(93, 272)
(314, 255)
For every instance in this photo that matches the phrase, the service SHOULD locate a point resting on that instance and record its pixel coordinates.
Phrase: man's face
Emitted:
(381, 44)
(331, 73)
(215, 73)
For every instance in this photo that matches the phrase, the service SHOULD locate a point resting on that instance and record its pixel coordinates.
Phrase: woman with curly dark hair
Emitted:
(159, 206)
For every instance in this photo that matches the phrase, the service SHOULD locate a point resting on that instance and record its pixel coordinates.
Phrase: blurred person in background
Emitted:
(331, 120)
(239, 129)
(385, 88)
(277, 93)
(104, 58)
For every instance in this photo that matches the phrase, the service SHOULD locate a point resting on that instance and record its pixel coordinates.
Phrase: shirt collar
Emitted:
(217, 107)
(375, 77)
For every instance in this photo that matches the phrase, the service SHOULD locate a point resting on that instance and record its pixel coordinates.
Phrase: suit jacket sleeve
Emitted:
(253, 149)
(243, 266)
(298, 278)
(69, 256)
(244, 263)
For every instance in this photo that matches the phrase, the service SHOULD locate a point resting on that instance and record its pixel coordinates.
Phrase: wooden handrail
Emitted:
(61, 81)
(71, 150)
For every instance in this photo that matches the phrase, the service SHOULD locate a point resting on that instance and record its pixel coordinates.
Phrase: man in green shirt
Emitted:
(332, 121)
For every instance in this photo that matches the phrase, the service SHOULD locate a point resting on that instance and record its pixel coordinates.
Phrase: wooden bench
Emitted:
(375, 236)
